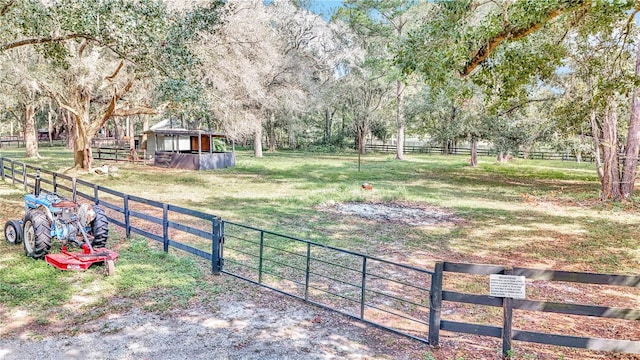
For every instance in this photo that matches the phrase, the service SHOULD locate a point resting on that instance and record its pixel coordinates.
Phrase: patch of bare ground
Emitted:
(411, 214)
(245, 323)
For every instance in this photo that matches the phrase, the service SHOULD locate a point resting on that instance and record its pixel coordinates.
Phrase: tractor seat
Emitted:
(64, 204)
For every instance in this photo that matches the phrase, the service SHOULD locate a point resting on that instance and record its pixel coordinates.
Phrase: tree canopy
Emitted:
(512, 75)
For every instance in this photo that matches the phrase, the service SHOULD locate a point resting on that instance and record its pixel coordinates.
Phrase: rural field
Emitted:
(429, 208)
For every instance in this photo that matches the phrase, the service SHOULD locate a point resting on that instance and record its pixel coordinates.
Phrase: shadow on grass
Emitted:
(42, 295)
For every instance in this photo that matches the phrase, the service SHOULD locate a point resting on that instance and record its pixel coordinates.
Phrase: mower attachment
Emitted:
(81, 261)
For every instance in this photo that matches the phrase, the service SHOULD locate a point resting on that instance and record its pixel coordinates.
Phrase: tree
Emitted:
(262, 64)
(125, 40)
(523, 42)
(23, 91)
(382, 24)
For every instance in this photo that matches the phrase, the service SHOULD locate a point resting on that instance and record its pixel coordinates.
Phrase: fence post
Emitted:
(2, 167)
(216, 262)
(74, 189)
(55, 183)
(13, 172)
(307, 272)
(364, 286)
(24, 177)
(95, 194)
(127, 218)
(260, 257)
(435, 304)
(165, 227)
(507, 326)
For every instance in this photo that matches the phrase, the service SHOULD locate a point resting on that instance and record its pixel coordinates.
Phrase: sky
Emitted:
(324, 7)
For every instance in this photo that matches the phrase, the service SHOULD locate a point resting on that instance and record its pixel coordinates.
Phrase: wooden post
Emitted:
(435, 304)
(13, 172)
(165, 227)
(216, 239)
(2, 167)
(74, 190)
(507, 325)
(24, 177)
(127, 218)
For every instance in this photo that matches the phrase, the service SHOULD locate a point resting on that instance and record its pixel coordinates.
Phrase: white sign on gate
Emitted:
(507, 286)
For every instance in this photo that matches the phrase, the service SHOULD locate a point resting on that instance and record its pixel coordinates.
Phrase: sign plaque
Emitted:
(507, 286)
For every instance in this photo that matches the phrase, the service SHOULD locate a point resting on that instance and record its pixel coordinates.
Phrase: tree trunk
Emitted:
(82, 133)
(596, 135)
(132, 140)
(30, 137)
(400, 122)
(502, 158)
(293, 139)
(50, 124)
(474, 152)
(328, 123)
(271, 132)
(609, 145)
(257, 142)
(69, 129)
(145, 127)
(82, 144)
(633, 142)
(117, 133)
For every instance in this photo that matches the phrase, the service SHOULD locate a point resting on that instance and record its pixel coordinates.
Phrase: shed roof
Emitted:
(164, 128)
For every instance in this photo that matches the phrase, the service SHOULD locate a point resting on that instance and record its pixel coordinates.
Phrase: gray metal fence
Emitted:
(386, 294)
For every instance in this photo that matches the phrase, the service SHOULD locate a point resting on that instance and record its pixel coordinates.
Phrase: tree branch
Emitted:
(115, 73)
(44, 40)
(515, 33)
(136, 110)
(5, 8)
(518, 106)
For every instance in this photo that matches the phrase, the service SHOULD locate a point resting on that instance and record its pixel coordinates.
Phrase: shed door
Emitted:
(205, 142)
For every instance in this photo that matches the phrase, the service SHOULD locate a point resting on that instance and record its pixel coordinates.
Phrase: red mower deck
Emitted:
(81, 261)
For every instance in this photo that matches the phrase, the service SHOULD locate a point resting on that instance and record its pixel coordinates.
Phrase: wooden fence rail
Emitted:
(536, 155)
(119, 154)
(438, 295)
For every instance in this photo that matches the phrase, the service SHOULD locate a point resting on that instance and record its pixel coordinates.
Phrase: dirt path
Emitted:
(267, 326)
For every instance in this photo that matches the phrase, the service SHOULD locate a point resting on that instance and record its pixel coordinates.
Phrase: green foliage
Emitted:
(143, 32)
(528, 46)
(219, 145)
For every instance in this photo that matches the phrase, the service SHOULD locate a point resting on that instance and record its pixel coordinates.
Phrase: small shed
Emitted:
(188, 149)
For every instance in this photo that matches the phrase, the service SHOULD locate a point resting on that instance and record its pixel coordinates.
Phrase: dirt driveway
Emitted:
(262, 326)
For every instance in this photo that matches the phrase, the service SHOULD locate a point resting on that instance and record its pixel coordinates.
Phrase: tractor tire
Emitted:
(13, 232)
(36, 234)
(99, 228)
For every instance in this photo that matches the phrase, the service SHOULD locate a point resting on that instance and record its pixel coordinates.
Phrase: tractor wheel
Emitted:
(99, 228)
(36, 234)
(13, 232)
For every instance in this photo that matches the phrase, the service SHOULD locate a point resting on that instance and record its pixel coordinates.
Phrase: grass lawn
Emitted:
(531, 213)
(526, 212)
